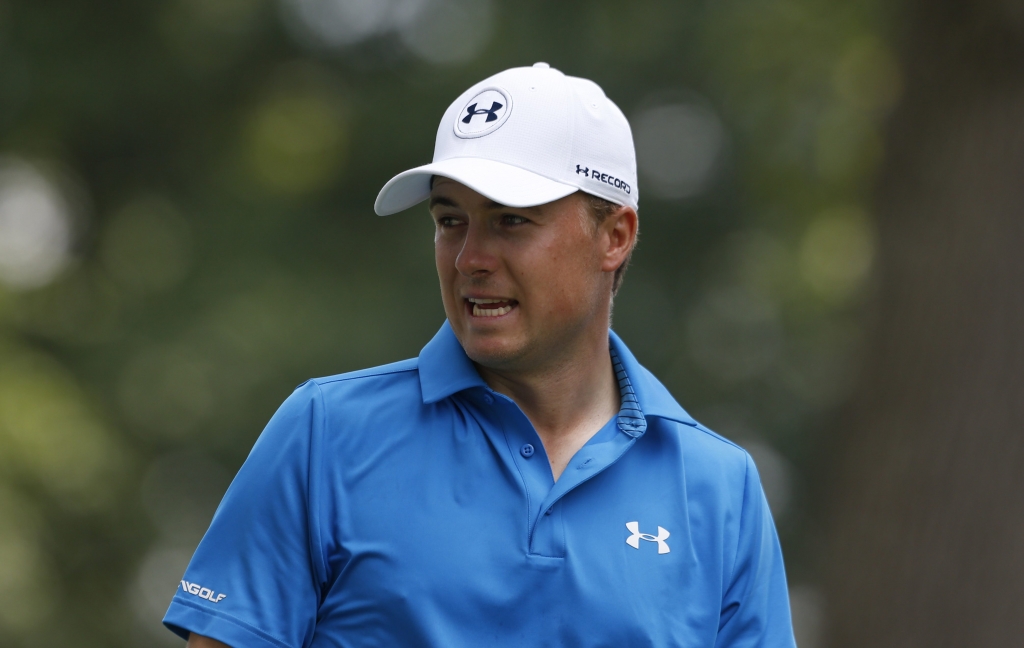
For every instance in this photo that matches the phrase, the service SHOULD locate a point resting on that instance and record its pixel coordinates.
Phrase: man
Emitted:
(524, 482)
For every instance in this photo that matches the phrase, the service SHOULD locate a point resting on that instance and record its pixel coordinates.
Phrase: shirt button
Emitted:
(488, 399)
(526, 450)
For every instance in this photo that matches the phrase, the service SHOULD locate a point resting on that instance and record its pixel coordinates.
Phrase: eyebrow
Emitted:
(441, 200)
(492, 205)
(496, 205)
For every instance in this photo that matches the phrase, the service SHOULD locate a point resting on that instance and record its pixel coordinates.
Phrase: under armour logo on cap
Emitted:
(477, 120)
(492, 112)
(634, 540)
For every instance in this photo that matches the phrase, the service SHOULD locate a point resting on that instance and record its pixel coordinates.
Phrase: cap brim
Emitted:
(502, 183)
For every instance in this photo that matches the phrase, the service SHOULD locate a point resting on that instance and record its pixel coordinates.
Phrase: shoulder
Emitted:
(701, 436)
(376, 389)
(396, 378)
(368, 398)
(704, 453)
(410, 366)
(354, 414)
(708, 455)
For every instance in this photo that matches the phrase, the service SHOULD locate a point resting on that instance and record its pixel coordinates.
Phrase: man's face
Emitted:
(521, 286)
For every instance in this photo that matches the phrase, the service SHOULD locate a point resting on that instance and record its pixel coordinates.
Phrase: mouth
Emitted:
(479, 307)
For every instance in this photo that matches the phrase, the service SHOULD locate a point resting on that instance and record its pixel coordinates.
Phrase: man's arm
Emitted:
(262, 551)
(755, 608)
(199, 641)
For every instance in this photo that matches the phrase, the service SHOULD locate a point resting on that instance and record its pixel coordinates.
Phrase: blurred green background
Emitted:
(186, 233)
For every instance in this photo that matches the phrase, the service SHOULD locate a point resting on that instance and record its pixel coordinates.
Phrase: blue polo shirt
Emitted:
(412, 505)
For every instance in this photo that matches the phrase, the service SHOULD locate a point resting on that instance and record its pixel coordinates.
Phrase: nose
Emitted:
(476, 258)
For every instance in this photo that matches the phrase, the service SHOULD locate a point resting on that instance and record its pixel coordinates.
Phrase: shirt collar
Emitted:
(445, 369)
(652, 397)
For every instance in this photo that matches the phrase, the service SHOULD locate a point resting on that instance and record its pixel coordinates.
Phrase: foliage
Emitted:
(214, 164)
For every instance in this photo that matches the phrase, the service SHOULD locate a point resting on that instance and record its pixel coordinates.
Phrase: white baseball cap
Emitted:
(525, 137)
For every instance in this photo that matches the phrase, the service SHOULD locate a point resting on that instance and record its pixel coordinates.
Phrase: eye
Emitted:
(447, 221)
(514, 219)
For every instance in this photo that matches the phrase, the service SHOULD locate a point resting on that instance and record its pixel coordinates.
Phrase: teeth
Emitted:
(486, 301)
(489, 312)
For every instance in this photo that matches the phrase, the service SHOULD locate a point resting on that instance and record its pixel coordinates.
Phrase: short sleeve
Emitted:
(257, 576)
(755, 608)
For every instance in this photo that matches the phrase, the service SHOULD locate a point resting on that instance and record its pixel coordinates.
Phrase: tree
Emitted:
(926, 541)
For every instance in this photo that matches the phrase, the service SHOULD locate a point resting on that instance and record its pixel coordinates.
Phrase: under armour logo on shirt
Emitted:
(492, 112)
(634, 540)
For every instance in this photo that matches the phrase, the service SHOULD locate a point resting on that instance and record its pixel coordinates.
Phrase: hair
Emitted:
(599, 210)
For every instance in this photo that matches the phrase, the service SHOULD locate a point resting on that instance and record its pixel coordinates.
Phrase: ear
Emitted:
(618, 233)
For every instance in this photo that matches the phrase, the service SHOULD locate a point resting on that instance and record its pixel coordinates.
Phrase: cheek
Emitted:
(445, 266)
(444, 259)
(562, 278)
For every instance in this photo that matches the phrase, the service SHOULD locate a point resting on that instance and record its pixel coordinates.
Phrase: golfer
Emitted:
(524, 481)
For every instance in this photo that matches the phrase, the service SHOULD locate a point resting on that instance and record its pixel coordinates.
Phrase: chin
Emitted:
(492, 351)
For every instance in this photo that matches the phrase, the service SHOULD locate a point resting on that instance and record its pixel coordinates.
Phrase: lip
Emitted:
(481, 312)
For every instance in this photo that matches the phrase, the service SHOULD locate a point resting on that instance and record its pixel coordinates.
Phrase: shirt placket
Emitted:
(526, 452)
(546, 531)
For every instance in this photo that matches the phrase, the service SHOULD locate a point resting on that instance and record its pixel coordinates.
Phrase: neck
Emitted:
(568, 399)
